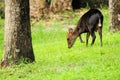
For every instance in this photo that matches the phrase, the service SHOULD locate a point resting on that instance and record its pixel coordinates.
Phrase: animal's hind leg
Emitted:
(91, 31)
(100, 34)
(93, 37)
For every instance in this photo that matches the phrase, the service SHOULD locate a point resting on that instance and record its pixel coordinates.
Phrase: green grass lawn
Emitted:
(1, 37)
(54, 61)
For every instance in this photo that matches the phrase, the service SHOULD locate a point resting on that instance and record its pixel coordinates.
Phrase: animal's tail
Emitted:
(99, 23)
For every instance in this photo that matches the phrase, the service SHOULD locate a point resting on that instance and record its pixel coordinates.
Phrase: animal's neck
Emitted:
(76, 32)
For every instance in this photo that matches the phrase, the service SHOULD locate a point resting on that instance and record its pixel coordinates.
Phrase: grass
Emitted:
(1, 36)
(54, 61)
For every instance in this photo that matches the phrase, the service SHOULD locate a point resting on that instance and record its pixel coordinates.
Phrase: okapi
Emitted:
(90, 22)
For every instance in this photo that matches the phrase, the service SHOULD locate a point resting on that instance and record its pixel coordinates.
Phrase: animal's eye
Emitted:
(68, 39)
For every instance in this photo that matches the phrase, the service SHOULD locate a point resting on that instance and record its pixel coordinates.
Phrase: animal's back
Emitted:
(92, 12)
(91, 16)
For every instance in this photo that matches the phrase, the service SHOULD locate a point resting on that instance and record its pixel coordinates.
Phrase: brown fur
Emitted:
(90, 22)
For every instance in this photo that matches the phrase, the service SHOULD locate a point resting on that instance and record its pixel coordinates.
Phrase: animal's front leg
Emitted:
(81, 39)
(87, 38)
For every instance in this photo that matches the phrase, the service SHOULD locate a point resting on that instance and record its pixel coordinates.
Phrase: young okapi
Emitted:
(90, 22)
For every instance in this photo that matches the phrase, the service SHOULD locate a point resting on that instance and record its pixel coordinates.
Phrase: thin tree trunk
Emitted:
(18, 41)
(114, 8)
(60, 5)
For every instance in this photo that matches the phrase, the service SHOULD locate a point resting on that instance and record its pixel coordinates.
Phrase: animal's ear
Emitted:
(70, 30)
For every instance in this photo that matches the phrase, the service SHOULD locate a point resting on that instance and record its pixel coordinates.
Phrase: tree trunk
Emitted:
(18, 41)
(114, 8)
(60, 5)
(38, 8)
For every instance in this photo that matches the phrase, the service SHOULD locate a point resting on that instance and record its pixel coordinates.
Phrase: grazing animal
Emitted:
(90, 22)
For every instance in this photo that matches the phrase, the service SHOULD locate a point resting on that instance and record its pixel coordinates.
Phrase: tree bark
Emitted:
(17, 39)
(114, 8)
(37, 9)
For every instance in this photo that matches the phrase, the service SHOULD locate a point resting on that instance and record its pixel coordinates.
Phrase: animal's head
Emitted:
(70, 38)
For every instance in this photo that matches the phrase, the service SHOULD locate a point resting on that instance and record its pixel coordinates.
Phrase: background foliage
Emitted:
(1, 9)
